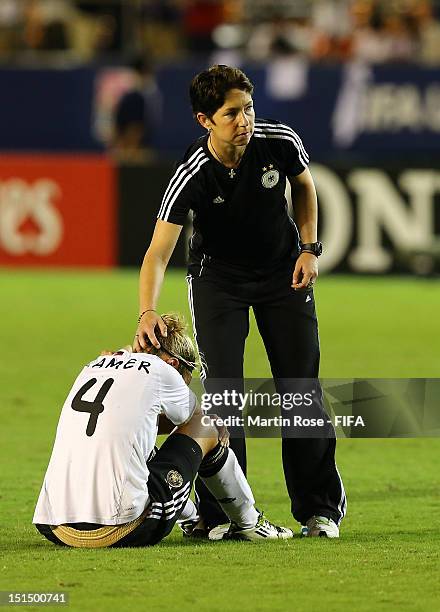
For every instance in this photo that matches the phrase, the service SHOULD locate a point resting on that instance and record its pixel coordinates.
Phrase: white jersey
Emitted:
(107, 430)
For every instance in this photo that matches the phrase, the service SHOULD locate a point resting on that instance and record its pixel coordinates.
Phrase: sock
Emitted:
(189, 512)
(222, 474)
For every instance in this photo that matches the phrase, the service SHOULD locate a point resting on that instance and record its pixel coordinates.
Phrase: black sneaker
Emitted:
(190, 529)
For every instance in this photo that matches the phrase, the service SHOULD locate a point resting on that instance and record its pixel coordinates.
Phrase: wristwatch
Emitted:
(312, 247)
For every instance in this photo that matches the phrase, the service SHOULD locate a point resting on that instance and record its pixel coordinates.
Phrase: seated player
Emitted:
(104, 487)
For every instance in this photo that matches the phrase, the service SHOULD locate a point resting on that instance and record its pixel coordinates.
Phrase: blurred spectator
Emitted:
(105, 19)
(374, 31)
(159, 27)
(282, 36)
(380, 34)
(231, 35)
(427, 29)
(200, 18)
(137, 116)
(263, 10)
(46, 24)
(11, 18)
(333, 30)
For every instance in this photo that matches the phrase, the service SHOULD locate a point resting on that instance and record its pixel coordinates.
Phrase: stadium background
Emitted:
(360, 81)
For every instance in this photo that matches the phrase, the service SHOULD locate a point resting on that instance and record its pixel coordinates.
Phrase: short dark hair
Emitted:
(208, 89)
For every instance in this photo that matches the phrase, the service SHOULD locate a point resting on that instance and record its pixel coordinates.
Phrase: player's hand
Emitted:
(305, 272)
(145, 333)
(223, 433)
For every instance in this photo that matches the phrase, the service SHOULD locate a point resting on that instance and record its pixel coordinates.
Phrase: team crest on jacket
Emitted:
(174, 479)
(270, 177)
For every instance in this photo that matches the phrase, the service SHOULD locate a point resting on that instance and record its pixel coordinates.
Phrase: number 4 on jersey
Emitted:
(94, 408)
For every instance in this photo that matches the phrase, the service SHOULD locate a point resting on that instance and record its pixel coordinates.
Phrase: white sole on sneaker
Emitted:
(218, 532)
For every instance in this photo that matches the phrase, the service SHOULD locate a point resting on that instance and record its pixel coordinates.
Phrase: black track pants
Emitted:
(220, 298)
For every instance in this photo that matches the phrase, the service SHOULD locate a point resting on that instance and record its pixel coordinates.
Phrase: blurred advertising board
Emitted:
(84, 211)
(376, 219)
(351, 111)
(140, 192)
(372, 220)
(57, 211)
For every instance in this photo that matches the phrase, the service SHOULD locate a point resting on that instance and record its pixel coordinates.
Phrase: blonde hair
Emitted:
(177, 342)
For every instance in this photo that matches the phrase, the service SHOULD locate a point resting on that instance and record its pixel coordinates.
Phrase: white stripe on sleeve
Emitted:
(178, 182)
(282, 132)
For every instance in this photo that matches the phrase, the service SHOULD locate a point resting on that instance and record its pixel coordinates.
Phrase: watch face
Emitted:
(313, 247)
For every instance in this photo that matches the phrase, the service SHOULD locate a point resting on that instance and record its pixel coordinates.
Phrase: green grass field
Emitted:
(388, 555)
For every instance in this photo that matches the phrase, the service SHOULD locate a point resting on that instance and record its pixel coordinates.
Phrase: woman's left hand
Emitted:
(305, 272)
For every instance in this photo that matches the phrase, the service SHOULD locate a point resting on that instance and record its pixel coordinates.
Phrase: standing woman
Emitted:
(247, 252)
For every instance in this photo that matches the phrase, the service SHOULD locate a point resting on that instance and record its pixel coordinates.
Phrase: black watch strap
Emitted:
(312, 247)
